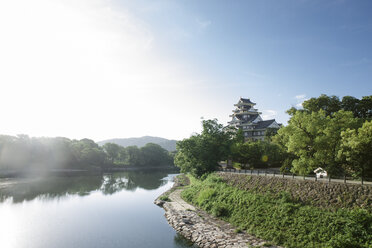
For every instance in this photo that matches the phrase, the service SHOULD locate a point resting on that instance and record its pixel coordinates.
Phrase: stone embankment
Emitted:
(200, 227)
(319, 194)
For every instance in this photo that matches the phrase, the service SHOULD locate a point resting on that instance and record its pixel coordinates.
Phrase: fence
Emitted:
(329, 179)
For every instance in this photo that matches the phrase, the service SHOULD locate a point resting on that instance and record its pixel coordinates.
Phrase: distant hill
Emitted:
(167, 144)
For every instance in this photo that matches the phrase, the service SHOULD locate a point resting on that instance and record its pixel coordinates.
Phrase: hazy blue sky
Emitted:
(104, 69)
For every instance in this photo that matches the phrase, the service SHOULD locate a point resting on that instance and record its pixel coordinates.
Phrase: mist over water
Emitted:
(109, 210)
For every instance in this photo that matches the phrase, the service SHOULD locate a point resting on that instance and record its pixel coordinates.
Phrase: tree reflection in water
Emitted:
(26, 189)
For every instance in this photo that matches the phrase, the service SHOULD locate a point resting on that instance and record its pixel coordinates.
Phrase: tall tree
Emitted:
(201, 153)
(329, 104)
(314, 139)
(155, 155)
(365, 107)
(356, 150)
(112, 151)
(134, 155)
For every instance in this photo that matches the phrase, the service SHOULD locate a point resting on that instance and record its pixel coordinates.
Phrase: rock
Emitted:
(160, 203)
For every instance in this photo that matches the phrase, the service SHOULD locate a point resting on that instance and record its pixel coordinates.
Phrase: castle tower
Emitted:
(247, 118)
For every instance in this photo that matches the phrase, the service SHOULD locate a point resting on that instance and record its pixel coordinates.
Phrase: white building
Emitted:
(320, 172)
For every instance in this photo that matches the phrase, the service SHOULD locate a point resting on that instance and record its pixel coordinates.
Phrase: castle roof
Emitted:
(246, 100)
(264, 124)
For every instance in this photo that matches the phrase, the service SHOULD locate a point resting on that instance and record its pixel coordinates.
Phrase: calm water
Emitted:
(113, 210)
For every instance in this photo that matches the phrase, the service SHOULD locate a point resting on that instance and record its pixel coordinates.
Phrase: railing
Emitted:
(271, 173)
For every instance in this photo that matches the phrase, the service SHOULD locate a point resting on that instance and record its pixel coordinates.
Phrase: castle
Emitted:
(247, 118)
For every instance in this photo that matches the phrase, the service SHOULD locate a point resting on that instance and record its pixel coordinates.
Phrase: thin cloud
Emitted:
(203, 24)
(269, 114)
(299, 105)
(300, 99)
(255, 75)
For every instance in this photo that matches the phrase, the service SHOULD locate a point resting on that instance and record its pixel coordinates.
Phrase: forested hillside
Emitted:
(169, 145)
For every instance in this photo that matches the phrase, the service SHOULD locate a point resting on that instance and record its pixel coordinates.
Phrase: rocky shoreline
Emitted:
(199, 227)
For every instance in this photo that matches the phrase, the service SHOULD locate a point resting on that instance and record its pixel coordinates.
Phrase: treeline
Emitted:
(327, 132)
(22, 152)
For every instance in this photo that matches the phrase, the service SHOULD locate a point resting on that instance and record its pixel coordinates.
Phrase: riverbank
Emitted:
(200, 227)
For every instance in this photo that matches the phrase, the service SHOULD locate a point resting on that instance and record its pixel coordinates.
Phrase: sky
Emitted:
(103, 69)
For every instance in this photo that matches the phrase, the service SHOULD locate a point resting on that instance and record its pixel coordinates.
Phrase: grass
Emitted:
(164, 198)
(280, 219)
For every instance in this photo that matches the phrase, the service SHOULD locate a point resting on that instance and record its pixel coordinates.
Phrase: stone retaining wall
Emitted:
(320, 194)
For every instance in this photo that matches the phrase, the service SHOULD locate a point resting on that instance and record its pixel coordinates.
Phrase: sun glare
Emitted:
(73, 68)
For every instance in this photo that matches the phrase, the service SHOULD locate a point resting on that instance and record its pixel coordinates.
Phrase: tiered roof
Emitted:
(264, 124)
(247, 100)
(250, 117)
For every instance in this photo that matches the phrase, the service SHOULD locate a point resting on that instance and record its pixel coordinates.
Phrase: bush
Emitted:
(164, 198)
(220, 211)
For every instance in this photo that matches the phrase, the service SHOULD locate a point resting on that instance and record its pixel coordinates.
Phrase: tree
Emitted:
(257, 154)
(329, 104)
(112, 150)
(134, 155)
(356, 150)
(250, 154)
(123, 154)
(314, 139)
(88, 153)
(365, 107)
(350, 103)
(270, 133)
(155, 155)
(201, 153)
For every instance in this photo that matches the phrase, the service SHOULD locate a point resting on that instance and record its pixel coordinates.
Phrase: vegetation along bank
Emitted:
(283, 216)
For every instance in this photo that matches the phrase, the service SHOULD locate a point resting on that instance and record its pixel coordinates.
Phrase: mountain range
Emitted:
(167, 144)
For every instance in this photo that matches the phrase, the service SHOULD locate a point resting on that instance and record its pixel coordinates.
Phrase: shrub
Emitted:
(220, 211)
(164, 198)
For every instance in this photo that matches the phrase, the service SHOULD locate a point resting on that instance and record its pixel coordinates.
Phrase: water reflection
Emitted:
(52, 187)
(110, 210)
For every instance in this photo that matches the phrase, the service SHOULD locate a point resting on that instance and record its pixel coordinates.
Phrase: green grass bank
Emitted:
(280, 218)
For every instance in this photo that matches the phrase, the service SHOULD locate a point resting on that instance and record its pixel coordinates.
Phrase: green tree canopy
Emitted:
(134, 155)
(257, 154)
(361, 108)
(155, 155)
(329, 104)
(356, 150)
(201, 153)
(112, 150)
(314, 139)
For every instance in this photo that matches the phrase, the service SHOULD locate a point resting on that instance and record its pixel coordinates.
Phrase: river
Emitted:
(110, 210)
